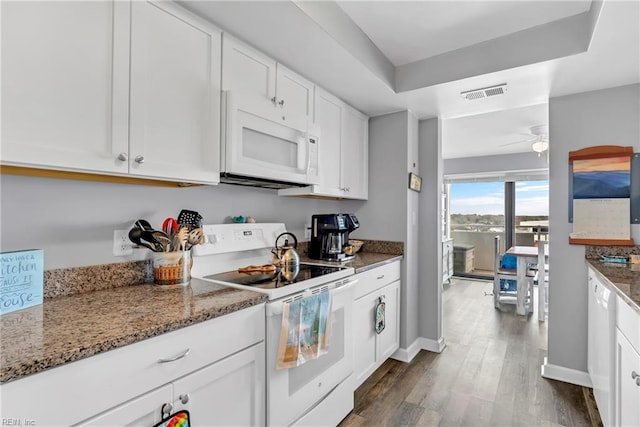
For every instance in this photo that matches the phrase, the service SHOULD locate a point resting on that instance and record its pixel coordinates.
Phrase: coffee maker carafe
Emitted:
(330, 235)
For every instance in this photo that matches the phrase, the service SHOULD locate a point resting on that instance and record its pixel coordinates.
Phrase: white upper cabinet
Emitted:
(343, 151)
(65, 84)
(328, 116)
(260, 85)
(354, 162)
(175, 94)
(294, 97)
(248, 74)
(126, 88)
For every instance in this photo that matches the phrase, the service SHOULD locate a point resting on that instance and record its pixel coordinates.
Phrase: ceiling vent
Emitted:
(484, 92)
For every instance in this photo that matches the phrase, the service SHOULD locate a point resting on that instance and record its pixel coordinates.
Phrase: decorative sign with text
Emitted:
(21, 279)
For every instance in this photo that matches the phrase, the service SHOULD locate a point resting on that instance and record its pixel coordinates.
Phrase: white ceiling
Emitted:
(379, 56)
(408, 31)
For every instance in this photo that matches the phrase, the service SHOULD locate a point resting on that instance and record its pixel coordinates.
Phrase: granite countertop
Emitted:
(89, 310)
(362, 262)
(374, 253)
(625, 279)
(69, 328)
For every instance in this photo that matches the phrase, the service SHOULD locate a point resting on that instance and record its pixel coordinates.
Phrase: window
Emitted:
(481, 210)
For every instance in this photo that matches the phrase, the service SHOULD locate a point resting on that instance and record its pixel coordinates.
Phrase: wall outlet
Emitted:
(307, 231)
(121, 244)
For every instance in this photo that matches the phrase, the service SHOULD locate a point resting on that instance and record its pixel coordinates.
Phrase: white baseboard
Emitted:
(560, 373)
(432, 345)
(407, 354)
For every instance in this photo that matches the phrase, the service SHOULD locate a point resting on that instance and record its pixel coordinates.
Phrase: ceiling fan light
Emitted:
(540, 146)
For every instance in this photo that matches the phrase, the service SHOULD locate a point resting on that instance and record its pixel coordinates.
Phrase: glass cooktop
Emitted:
(281, 277)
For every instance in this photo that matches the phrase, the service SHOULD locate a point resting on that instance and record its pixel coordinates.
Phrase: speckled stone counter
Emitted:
(69, 328)
(624, 278)
(374, 253)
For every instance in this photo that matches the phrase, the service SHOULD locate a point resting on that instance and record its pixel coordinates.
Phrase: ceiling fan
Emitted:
(538, 137)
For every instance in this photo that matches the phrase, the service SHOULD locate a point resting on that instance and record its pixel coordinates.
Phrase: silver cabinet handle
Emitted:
(139, 159)
(274, 100)
(634, 375)
(174, 358)
(281, 103)
(380, 277)
(166, 409)
(184, 399)
(123, 157)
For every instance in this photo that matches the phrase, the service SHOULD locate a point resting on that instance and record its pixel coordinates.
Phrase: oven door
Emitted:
(257, 143)
(293, 393)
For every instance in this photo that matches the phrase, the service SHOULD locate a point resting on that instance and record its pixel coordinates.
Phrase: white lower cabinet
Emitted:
(223, 393)
(209, 369)
(627, 371)
(370, 348)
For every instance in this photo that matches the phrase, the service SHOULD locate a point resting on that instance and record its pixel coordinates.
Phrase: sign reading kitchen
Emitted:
(21, 279)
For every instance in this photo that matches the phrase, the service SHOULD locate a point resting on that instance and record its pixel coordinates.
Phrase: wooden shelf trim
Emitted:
(601, 242)
(600, 152)
(82, 176)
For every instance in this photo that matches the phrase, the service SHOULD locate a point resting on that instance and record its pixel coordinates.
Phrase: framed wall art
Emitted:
(600, 196)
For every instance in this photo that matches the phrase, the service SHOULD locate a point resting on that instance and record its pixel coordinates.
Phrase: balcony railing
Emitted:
(481, 237)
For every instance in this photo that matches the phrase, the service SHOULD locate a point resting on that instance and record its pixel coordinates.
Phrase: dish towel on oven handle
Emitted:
(305, 330)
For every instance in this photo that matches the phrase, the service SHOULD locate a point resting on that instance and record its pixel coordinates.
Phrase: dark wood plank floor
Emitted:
(488, 375)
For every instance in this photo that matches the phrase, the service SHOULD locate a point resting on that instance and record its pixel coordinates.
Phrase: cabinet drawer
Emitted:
(376, 278)
(105, 380)
(628, 321)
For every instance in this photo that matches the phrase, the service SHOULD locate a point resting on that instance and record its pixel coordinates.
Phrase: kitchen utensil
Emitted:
(157, 239)
(170, 226)
(135, 235)
(195, 237)
(143, 224)
(180, 239)
(285, 253)
(191, 218)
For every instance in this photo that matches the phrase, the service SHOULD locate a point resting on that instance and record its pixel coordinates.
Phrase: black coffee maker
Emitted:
(330, 235)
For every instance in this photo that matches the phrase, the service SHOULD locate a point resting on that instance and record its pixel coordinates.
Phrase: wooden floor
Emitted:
(488, 374)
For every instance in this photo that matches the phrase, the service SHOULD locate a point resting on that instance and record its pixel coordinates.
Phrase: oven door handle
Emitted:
(274, 308)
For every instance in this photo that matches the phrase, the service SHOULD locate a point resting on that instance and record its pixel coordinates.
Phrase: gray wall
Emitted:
(73, 221)
(605, 117)
(430, 237)
(501, 165)
(392, 149)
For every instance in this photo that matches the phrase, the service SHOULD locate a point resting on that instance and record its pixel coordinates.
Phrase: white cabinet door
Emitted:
(249, 76)
(371, 349)
(389, 338)
(175, 94)
(294, 97)
(65, 81)
(328, 116)
(229, 392)
(627, 383)
(144, 410)
(355, 154)
(364, 339)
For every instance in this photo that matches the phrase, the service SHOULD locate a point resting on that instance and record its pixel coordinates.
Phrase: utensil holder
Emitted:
(172, 268)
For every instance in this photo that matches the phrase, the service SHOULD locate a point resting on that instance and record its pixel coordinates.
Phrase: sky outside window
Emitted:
(532, 198)
(487, 198)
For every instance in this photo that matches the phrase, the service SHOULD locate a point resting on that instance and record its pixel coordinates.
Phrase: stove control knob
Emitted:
(212, 239)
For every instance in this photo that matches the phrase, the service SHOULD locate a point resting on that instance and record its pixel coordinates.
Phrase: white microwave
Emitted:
(259, 148)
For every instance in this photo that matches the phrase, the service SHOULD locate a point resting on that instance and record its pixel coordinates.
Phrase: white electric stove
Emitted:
(320, 391)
